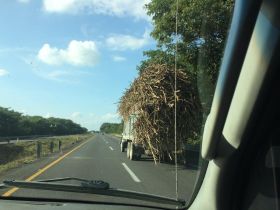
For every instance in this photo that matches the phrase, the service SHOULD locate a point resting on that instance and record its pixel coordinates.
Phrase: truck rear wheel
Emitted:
(128, 149)
(138, 157)
(122, 147)
(134, 153)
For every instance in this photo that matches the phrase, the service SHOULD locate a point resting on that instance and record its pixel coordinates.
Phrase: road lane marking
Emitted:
(133, 176)
(40, 171)
(104, 140)
(111, 148)
(79, 158)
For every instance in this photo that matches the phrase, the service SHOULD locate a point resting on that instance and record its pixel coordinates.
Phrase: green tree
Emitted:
(13, 123)
(157, 56)
(201, 36)
(202, 31)
(9, 122)
(112, 128)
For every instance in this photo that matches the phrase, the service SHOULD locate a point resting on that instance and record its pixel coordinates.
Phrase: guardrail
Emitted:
(51, 148)
(7, 138)
(30, 137)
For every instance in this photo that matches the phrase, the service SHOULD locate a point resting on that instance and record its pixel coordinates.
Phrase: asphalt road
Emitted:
(100, 159)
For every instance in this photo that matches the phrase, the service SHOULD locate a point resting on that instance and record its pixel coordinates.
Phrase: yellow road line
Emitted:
(14, 189)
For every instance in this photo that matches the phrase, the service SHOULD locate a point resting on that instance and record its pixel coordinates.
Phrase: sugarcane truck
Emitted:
(134, 149)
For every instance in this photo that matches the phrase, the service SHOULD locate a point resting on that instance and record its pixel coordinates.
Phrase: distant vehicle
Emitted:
(134, 149)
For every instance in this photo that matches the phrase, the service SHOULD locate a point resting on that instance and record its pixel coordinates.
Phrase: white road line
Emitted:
(111, 148)
(104, 140)
(133, 176)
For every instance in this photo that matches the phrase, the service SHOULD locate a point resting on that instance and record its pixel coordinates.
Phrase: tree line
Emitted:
(13, 123)
(112, 128)
(202, 28)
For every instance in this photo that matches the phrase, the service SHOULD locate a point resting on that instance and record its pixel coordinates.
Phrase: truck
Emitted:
(134, 149)
(188, 155)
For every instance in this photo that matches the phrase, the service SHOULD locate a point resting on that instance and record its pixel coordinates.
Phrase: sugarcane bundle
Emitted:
(152, 97)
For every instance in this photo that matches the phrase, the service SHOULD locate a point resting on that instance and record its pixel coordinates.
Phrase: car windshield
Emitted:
(102, 98)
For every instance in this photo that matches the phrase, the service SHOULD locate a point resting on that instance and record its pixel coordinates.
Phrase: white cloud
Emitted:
(127, 42)
(23, 111)
(110, 117)
(76, 115)
(24, 1)
(94, 121)
(119, 8)
(57, 74)
(68, 75)
(117, 58)
(48, 115)
(78, 53)
(3, 72)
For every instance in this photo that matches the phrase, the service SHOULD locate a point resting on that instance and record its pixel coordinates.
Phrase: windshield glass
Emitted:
(115, 90)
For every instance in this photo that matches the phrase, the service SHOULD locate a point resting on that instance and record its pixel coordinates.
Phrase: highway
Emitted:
(99, 158)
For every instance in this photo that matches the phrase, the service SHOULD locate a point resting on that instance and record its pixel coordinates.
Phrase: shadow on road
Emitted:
(150, 159)
(181, 166)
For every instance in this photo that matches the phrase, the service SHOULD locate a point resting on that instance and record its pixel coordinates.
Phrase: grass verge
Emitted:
(15, 155)
(116, 135)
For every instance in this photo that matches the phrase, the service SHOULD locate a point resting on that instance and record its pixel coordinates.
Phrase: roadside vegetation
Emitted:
(17, 154)
(112, 128)
(13, 123)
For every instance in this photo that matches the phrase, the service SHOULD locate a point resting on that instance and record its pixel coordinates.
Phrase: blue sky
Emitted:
(71, 58)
